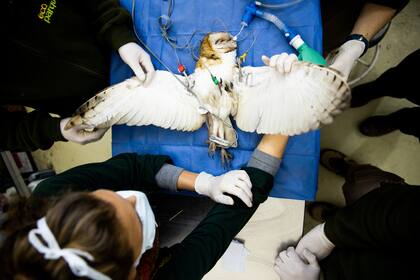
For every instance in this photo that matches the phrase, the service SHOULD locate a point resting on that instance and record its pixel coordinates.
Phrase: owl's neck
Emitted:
(222, 66)
(211, 59)
(229, 58)
(224, 70)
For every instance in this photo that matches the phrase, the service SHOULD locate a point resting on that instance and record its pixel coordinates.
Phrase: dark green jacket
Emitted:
(23, 131)
(56, 54)
(200, 250)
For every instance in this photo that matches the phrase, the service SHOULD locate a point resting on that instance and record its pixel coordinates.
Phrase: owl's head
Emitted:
(216, 43)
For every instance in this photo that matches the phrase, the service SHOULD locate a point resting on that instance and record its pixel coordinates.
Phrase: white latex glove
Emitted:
(345, 57)
(317, 242)
(282, 62)
(234, 182)
(80, 133)
(138, 60)
(290, 266)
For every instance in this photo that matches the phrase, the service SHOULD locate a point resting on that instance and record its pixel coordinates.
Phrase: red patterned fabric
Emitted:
(148, 261)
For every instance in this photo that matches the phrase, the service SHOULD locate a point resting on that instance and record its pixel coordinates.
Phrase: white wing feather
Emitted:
(293, 103)
(164, 103)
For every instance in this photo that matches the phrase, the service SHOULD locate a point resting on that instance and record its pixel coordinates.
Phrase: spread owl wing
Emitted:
(290, 104)
(164, 103)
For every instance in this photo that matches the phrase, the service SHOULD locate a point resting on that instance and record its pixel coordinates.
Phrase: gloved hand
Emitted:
(138, 60)
(317, 242)
(345, 57)
(282, 62)
(234, 182)
(290, 266)
(80, 133)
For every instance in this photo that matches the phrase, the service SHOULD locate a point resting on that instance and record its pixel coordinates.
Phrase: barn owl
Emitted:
(213, 82)
(260, 99)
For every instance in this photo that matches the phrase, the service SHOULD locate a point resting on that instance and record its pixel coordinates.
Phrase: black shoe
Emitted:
(320, 211)
(336, 161)
(378, 125)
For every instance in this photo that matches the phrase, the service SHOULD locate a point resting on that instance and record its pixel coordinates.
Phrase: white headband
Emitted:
(52, 251)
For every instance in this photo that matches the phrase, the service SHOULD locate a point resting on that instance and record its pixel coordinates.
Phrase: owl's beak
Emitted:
(231, 46)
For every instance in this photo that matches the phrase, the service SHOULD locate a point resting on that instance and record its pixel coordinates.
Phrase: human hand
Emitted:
(289, 266)
(138, 60)
(315, 241)
(345, 57)
(234, 182)
(80, 133)
(281, 62)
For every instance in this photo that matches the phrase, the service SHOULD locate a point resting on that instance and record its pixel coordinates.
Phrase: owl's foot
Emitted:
(225, 157)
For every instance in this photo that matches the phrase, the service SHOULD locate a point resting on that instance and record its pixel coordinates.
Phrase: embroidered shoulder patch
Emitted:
(46, 11)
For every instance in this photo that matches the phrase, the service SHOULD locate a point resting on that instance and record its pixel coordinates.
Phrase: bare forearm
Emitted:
(186, 181)
(273, 145)
(372, 19)
(175, 178)
(268, 154)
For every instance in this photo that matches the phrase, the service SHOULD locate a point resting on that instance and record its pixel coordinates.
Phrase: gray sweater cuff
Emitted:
(168, 175)
(264, 162)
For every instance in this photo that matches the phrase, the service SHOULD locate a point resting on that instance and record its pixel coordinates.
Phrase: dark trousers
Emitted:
(378, 229)
(364, 178)
(399, 82)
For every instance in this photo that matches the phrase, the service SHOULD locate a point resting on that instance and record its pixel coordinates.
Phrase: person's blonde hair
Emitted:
(78, 220)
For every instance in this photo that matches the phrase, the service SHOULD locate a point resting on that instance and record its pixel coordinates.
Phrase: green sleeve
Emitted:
(128, 171)
(28, 131)
(385, 218)
(112, 22)
(203, 247)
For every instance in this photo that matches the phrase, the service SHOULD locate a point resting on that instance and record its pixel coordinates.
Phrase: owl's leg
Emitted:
(229, 134)
(234, 99)
(210, 127)
(221, 130)
(209, 123)
(213, 145)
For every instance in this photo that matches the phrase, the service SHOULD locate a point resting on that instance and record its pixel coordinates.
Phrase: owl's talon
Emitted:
(212, 149)
(225, 158)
